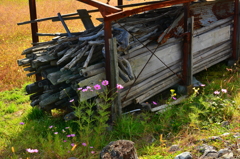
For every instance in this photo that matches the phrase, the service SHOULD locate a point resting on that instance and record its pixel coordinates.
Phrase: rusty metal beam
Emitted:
(122, 14)
(55, 18)
(105, 9)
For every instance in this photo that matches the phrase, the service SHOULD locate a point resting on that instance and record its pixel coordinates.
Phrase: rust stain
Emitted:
(204, 13)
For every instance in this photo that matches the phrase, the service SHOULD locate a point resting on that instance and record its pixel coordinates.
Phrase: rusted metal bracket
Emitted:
(105, 9)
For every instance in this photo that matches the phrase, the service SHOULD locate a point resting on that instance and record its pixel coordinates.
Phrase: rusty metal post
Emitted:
(107, 36)
(33, 15)
(187, 50)
(235, 43)
(34, 27)
(120, 2)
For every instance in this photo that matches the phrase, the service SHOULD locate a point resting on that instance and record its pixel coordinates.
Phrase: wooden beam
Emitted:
(116, 105)
(85, 18)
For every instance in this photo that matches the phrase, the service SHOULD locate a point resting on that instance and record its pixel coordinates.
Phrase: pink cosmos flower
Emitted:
(105, 82)
(72, 100)
(88, 87)
(84, 144)
(154, 103)
(224, 90)
(32, 150)
(216, 92)
(119, 86)
(97, 87)
(85, 90)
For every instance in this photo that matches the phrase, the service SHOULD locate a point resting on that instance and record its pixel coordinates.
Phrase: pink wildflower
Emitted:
(91, 147)
(92, 152)
(119, 86)
(72, 135)
(79, 89)
(154, 103)
(174, 98)
(32, 150)
(88, 87)
(68, 135)
(64, 140)
(84, 144)
(55, 132)
(216, 92)
(21, 123)
(72, 144)
(105, 82)
(72, 100)
(224, 90)
(66, 127)
(85, 90)
(97, 87)
(202, 85)
(50, 127)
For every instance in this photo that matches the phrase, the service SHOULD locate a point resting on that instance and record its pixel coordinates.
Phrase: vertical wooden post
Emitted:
(34, 28)
(116, 109)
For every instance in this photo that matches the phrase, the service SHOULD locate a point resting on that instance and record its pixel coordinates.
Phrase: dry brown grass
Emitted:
(14, 39)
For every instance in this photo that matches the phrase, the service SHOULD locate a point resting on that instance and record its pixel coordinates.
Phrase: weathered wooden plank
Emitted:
(85, 18)
(211, 38)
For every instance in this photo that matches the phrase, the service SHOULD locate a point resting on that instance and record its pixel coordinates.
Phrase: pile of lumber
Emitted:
(67, 63)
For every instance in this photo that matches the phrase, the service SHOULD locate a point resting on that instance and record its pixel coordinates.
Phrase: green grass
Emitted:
(152, 133)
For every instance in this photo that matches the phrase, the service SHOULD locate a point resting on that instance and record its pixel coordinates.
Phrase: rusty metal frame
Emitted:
(235, 42)
(115, 16)
(34, 28)
(111, 13)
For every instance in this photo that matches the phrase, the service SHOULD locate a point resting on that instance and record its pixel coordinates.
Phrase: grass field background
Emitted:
(14, 39)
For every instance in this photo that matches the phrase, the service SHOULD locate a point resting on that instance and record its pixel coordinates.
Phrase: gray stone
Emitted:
(72, 158)
(225, 123)
(237, 135)
(174, 148)
(238, 150)
(214, 138)
(205, 148)
(184, 155)
(222, 152)
(228, 156)
(225, 134)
